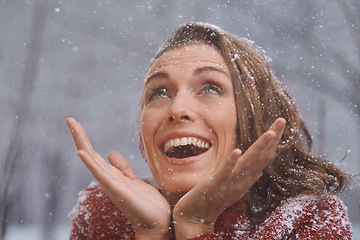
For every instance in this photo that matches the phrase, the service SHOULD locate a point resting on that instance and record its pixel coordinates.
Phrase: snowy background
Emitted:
(87, 59)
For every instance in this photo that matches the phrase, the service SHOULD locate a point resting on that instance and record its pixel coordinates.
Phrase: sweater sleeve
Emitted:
(307, 217)
(330, 222)
(95, 216)
(209, 236)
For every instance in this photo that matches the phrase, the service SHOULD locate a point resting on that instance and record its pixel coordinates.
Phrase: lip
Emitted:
(182, 161)
(185, 161)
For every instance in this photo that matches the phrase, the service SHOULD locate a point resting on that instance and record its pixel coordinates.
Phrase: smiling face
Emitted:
(188, 121)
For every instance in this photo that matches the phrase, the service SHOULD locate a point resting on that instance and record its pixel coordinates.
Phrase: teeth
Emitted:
(176, 142)
(198, 144)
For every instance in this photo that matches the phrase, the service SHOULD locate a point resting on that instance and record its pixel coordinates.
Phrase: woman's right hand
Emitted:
(143, 205)
(197, 211)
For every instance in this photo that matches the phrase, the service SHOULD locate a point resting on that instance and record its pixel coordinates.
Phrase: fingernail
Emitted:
(238, 152)
(279, 125)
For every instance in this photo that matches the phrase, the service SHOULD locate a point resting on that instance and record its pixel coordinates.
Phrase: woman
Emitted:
(227, 148)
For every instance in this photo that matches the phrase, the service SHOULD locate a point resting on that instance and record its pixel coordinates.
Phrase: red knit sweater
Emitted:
(95, 216)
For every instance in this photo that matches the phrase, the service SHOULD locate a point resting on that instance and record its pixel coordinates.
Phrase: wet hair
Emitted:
(260, 99)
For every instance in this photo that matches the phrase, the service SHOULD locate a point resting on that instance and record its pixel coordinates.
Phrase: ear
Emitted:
(142, 147)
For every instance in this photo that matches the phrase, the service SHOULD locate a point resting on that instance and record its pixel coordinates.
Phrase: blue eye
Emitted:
(158, 93)
(212, 89)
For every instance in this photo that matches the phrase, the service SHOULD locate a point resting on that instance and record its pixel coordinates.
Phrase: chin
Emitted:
(179, 184)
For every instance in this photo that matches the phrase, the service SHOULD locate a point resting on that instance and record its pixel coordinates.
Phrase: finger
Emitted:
(79, 135)
(96, 170)
(267, 144)
(278, 127)
(83, 143)
(263, 144)
(257, 157)
(221, 175)
(227, 167)
(118, 161)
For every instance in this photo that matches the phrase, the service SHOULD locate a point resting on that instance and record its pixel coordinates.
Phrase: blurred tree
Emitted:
(350, 69)
(55, 175)
(22, 107)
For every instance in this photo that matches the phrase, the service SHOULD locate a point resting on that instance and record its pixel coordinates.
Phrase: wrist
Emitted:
(191, 228)
(151, 234)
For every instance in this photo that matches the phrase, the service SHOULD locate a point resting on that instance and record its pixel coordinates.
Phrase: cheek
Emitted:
(150, 123)
(146, 127)
(223, 117)
(232, 120)
(225, 124)
(147, 132)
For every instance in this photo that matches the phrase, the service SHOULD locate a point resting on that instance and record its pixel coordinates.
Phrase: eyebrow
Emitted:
(197, 71)
(209, 68)
(155, 75)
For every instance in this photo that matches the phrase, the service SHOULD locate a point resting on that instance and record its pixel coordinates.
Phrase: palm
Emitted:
(203, 204)
(213, 194)
(143, 205)
(140, 202)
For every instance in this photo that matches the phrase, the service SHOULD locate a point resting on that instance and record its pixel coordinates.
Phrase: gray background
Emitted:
(87, 59)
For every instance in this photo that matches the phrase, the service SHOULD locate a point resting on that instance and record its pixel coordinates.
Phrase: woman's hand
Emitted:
(196, 212)
(145, 208)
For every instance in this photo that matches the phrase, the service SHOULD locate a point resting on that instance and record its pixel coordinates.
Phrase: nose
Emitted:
(183, 117)
(181, 108)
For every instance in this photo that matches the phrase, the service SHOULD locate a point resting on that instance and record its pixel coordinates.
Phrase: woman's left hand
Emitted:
(143, 205)
(197, 211)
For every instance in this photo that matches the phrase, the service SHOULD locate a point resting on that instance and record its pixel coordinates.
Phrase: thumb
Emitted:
(118, 161)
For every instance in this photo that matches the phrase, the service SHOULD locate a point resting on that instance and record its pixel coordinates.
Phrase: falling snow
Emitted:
(91, 65)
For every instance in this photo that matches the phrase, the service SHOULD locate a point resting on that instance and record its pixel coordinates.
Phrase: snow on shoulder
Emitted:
(325, 215)
(82, 196)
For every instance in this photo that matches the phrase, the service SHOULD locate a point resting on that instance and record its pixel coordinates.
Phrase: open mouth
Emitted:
(185, 147)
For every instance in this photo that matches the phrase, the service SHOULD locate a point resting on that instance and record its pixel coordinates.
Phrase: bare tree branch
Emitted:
(23, 105)
(352, 24)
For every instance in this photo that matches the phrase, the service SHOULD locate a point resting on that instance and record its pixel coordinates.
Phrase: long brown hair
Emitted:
(260, 99)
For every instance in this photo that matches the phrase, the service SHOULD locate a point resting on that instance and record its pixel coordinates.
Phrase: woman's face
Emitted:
(188, 121)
